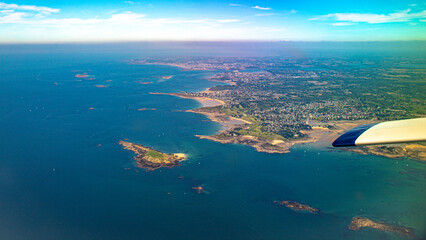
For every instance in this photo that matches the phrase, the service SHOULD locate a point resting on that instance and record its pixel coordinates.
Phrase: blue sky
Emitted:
(301, 20)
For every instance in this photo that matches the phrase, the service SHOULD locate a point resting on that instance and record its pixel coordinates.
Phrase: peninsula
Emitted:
(361, 222)
(411, 150)
(151, 159)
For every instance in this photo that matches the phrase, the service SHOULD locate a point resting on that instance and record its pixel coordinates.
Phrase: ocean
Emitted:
(63, 174)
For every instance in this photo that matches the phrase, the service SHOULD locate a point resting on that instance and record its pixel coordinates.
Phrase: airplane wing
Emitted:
(400, 131)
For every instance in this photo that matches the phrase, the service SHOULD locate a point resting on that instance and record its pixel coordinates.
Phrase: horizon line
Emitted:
(206, 41)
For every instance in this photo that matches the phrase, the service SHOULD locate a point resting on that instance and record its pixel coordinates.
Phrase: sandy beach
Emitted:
(228, 123)
(205, 101)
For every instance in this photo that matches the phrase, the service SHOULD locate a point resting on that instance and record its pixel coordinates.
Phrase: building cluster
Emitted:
(287, 100)
(285, 94)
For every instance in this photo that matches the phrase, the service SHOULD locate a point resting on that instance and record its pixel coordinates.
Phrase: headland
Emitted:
(360, 222)
(151, 159)
(409, 150)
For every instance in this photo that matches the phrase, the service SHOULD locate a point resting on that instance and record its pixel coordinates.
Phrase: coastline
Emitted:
(179, 65)
(185, 68)
(321, 135)
(229, 123)
(204, 101)
(182, 66)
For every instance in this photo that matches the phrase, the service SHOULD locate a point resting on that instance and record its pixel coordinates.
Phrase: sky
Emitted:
(53, 21)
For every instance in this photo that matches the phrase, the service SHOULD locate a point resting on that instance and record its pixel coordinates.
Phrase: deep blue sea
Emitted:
(64, 176)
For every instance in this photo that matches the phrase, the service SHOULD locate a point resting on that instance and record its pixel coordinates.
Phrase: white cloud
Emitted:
(12, 17)
(28, 8)
(36, 25)
(269, 29)
(292, 11)
(400, 16)
(227, 20)
(261, 8)
(129, 26)
(342, 24)
(126, 18)
(235, 5)
(264, 14)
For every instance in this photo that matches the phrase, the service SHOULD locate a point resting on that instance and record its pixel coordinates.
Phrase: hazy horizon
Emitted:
(226, 48)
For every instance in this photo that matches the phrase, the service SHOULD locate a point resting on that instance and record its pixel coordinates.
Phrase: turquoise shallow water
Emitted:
(57, 183)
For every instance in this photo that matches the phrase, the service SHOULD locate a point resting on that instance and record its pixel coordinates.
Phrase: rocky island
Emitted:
(164, 77)
(361, 222)
(297, 207)
(198, 189)
(84, 75)
(151, 159)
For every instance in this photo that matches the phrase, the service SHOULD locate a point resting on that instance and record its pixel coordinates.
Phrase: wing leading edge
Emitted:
(400, 131)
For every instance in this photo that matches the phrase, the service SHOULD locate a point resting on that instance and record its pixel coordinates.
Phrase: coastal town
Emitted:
(285, 101)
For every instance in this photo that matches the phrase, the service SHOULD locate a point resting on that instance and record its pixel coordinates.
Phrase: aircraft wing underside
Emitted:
(400, 131)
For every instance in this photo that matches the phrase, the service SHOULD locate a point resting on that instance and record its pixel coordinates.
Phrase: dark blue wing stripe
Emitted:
(349, 138)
